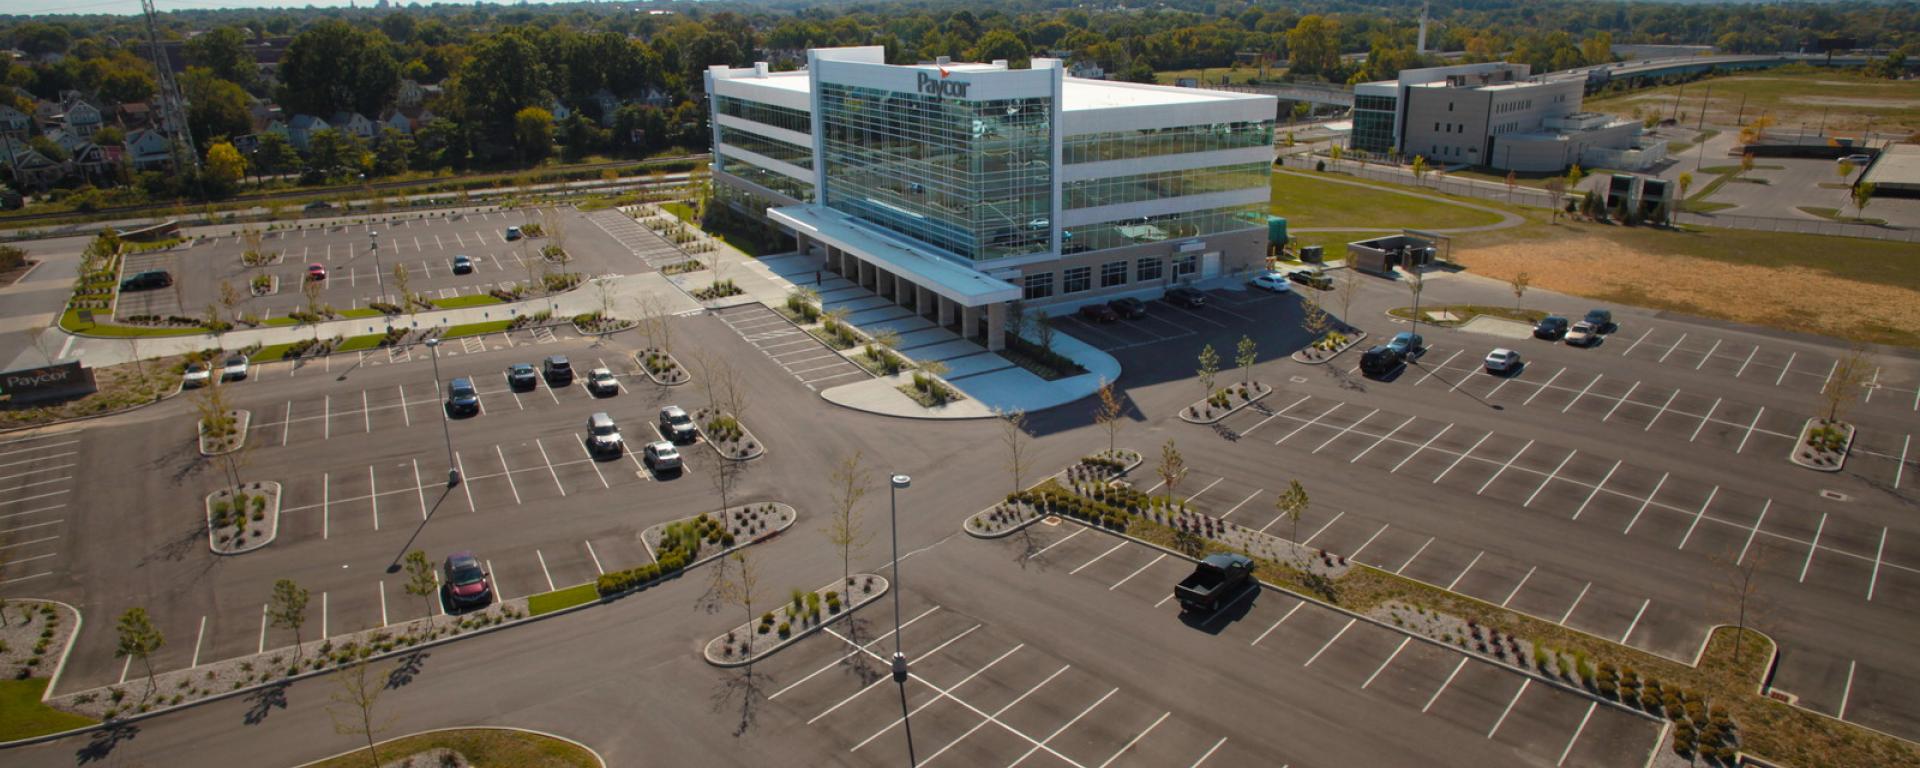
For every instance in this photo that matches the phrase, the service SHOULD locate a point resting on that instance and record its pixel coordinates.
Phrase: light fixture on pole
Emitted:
(896, 484)
(453, 469)
(379, 279)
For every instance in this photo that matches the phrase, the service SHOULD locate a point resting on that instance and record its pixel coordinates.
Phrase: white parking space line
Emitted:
(590, 461)
(1343, 432)
(1444, 684)
(1439, 368)
(1815, 547)
(848, 655)
(1647, 502)
(1583, 393)
(420, 489)
(1596, 489)
(1751, 534)
(1323, 529)
(1462, 457)
(1875, 580)
(286, 425)
(1136, 739)
(326, 417)
(373, 495)
(1900, 469)
(366, 414)
(1785, 368)
(1591, 706)
(1390, 657)
(1276, 625)
(1209, 753)
(323, 615)
(1316, 420)
(550, 470)
(1636, 620)
(1830, 371)
(461, 465)
(1416, 554)
(1743, 366)
(1509, 710)
(263, 629)
(1329, 643)
(1697, 516)
(1423, 446)
(197, 640)
(877, 682)
(599, 571)
(1196, 494)
(1275, 415)
(1516, 587)
(1097, 558)
(1750, 428)
(1544, 387)
(1163, 556)
(1676, 345)
(383, 601)
(1636, 342)
(1463, 571)
(1847, 692)
(1620, 402)
(1063, 540)
(1383, 438)
(508, 472)
(1503, 468)
(1550, 476)
(1242, 503)
(543, 569)
(1363, 547)
(405, 412)
(1662, 411)
(127, 666)
(947, 693)
(994, 718)
(1704, 420)
(1709, 355)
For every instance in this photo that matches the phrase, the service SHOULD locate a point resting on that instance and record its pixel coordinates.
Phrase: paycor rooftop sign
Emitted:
(941, 86)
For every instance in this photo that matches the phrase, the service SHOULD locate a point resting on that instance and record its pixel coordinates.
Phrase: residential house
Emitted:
(302, 127)
(148, 150)
(82, 118)
(410, 94)
(93, 162)
(559, 110)
(68, 141)
(135, 115)
(398, 121)
(263, 113)
(657, 98)
(15, 124)
(33, 170)
(354, 123)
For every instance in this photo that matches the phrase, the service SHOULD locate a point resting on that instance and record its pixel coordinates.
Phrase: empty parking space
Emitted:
(809, 360)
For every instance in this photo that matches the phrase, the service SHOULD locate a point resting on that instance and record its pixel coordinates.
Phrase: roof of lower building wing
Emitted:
(1079, 93)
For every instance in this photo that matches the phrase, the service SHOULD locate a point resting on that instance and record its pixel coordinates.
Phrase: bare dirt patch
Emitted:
(1793, 298)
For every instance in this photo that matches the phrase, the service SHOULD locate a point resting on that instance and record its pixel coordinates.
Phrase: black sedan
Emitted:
(1186, 297)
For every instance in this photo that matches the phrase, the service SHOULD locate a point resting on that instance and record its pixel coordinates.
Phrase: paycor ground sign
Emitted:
(65, 380)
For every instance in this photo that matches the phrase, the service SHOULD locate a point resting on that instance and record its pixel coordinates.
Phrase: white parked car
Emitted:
(197, 375)
(662, 456)
(235, 368)
(1503, 360)
(600, 381)
(1857, 161)
(1273, 281)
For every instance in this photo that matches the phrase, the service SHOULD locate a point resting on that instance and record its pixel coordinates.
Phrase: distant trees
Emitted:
(333, 67)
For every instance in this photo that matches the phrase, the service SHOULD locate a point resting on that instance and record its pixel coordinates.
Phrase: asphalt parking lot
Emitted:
(1226, 312)
(37, 478)
(425, 247)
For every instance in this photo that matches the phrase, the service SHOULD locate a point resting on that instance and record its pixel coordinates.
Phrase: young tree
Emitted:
(1556, 191)
(1419, 169)
(850, 481)
(402, 286)
(1245, 355)
(310, 290)
(1013, 434)
(1574, 176)
(1209, 365)
(1519, 283)
(421, 582)
(1685, 181)
(1844, 384)
(1042, 329)
(1843, 169)
(1333, 154)
(1862, 196)
(288, 610)
(1108, 414)
(1414, 285)
(139, 639)
(1291, 505)
(1512, 181)
(1314, 320)
(1746, 163)
(1349, 287)
(229, 298)
(359, 690)
(216, 417)
(1172, 468)
(738, 590)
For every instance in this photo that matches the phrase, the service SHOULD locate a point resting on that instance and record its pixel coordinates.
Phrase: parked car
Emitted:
(1601, 320)
(676, 425)
(462, 265)
(1212, 581)
(522, 376)
(600, 381)
(1409, 343)
(153, 278)
(1381, 360)
(1272, 281)
(557, 370)
(1583, 334)
(1551, 327)
(661, 456)
(316, 271)
(464, 582)
(319, 205)
(235, 369)
(1311, 278)
(196, 375)
(513, 233)
(1186, 297)
(1129, 307)
(1503, 360)
(603, 436)
(1098, 313)
(1857, 161)
(462, 398)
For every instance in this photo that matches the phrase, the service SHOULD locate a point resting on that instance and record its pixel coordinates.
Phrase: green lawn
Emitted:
(359, 313)
(71, 321)
(358, 343)
(1843, 99)
(270, 353)
(480, 746)
(22, 715)
(476, 300)
(476, 329)
(1311, 202)
(680, 211)
(279, 322)
(548, 602)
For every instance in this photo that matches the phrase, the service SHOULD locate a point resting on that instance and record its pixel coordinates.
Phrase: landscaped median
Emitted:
(803, 614)
(34, 636)
(466, 747)
(1455, 315)
(1717, 703)
(689, 542)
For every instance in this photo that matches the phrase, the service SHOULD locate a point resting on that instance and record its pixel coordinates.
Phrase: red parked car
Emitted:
(316, 272)
(464, 581)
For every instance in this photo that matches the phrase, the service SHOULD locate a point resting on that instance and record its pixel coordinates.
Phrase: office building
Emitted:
(954, 189)
(1494, 115)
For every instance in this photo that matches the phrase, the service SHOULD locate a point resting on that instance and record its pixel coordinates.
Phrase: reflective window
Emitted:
(771, 179)
(1172, 226)
(769, 147)
(1123, 145)
(1077, 279)
(1186, 264)
(1039, 285)
(1164, 184)
(1150, 268)
(967, 178)
(1113, 273)
(778, 117)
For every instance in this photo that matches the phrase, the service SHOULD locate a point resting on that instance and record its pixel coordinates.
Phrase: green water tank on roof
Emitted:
(1276, 230)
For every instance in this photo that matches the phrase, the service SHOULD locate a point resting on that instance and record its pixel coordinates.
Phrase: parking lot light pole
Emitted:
(378, 278)
(897, 484)
(453, 470)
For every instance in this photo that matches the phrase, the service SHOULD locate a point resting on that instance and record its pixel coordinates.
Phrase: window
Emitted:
(1113, 273)
(1186, 264)
(1039, 286)
(1436, 126)
(1078, 279)
(1148, 268)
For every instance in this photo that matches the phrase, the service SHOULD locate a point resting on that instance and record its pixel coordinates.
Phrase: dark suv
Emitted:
(1381, 360)
(521, 376)
(1128, 307)
(675, 425)
(157, 278)
(1186, 297)
(1551, 328)
(557, 370)
(1601, 320)
(462, 398)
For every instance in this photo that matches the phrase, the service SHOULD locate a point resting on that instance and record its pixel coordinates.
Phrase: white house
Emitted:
(82, 118)
(148, 150)
(301, 128)
(14, 123)
(398, 122)
(354, 123)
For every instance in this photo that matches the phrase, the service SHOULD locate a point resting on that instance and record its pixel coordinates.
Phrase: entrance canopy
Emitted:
(958, 283)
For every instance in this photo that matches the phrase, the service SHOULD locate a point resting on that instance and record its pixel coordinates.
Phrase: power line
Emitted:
(172, 105)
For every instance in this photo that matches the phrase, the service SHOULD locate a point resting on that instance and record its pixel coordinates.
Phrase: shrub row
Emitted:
(1057, 502)
(633, 578)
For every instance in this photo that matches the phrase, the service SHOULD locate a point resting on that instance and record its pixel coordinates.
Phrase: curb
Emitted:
(1230, 411)
(554, 736)
(1020, 526)
(1357, 336)
(178, 388)
(273, 531)
(1793, 454)
(655, 379)
(245, 420)
(797, 636)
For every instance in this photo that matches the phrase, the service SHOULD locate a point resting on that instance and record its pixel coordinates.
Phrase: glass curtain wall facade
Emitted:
(766, 146)
(1151, 229)
(1373, 123)
(969, 178)
(1127, 145)
(1112, 190)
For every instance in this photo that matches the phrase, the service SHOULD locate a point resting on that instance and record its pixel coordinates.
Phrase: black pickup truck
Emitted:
(1213, 581)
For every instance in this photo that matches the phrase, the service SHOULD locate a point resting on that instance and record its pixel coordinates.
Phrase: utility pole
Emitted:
(1704, 102)
(173, 107)
(1739, 117)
